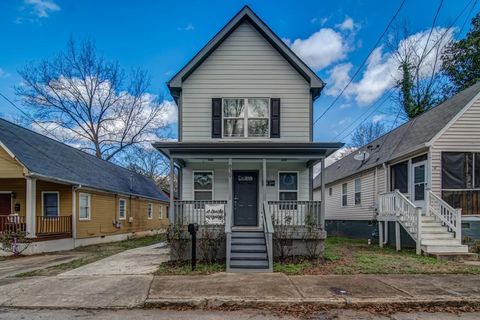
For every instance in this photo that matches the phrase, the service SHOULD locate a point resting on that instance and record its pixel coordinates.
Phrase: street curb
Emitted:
(335, 303)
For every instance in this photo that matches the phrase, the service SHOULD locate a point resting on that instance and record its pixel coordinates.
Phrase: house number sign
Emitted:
(214, 214)
(245, 178)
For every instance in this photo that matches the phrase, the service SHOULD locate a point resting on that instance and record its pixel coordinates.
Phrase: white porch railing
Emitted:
(446, 214)
(268, 230)
(395, 206)
(295, 213)
(193, 211)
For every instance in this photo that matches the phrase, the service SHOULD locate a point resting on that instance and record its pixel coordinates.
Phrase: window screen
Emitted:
(399, 174)
(454, 170)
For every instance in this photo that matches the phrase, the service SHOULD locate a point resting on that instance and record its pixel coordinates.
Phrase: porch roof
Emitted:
(309, 151)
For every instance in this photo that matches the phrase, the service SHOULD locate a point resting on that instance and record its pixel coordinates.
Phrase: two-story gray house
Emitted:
(245, 149)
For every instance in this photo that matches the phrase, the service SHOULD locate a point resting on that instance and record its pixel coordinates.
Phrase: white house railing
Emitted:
(295, 213)
(193, 211)
(446, 214)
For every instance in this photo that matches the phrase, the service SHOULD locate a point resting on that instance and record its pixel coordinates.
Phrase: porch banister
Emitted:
(458, 225)
(321, 219)
(31, 207)
(419, 231)
(171, 209)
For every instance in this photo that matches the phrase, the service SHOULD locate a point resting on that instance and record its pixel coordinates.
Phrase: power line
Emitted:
(363, 63)
(468, 16)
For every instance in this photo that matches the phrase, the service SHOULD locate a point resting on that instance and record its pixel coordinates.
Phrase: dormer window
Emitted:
(246, 118)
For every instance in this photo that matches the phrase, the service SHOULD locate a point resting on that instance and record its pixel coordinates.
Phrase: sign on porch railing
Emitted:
(214, 214)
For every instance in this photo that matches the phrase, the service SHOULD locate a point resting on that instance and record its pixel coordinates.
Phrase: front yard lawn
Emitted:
(185, 268)
(94, 253)
(349, 256)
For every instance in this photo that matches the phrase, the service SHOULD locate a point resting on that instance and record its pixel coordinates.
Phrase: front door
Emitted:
(5, 204)
(245, 198)
(419, 183)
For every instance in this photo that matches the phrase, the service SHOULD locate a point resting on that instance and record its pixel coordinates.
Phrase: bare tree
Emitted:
(366, 133)
(418, 59)
(80, 98)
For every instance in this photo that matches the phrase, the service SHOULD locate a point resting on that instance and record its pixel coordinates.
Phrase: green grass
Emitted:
(94, 253)
(185, 268)
(350, 256)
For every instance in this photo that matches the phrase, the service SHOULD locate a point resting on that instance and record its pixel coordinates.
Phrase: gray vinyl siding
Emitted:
(364, 211)
(462, 136)
(221, 178)
(245, 65)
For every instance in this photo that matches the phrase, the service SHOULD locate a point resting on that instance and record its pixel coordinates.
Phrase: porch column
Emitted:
(171, 209)
(230, 193)
(321, 219)
(264, 178)
(31, 207)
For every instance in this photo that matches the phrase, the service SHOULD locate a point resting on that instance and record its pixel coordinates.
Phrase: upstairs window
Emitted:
(246, 118)
(149, 211)
(122, 209)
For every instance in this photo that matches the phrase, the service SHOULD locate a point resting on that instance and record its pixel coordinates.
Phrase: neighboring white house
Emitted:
(433, 161)
(245, 139)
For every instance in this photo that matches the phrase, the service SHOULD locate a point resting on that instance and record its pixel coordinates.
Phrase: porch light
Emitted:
(14, 195)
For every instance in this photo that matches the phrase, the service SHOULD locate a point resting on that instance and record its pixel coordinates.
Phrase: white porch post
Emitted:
(397, 236)
(171, 209)
(264, 178)
(230, 193)
(31, 207)
(74, 214)
(321, 219)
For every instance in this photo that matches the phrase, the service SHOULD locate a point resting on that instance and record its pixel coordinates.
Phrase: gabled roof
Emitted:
(409, 137)
(48, 158)
(316, 84)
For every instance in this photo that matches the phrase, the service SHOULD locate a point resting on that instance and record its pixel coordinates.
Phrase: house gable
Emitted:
(9, 167)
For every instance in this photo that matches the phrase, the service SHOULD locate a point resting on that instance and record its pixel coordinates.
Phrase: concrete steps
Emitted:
(248, 252)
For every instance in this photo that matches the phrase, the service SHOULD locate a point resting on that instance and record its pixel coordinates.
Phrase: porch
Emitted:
(252, 192)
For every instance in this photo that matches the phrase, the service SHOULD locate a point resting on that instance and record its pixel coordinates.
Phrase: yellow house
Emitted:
(64, 198)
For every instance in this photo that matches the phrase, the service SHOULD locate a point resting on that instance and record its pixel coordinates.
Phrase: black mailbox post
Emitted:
(192, 229)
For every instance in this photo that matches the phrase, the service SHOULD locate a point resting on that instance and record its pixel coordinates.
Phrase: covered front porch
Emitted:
(261, 188)
(34, 208)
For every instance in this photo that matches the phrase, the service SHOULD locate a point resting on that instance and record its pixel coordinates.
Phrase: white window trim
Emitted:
(150, 211)
(213, 183)
(58, 202)
(89, 215)
(278, 179)
(124, 208)
(245, 119)
(344, 194)
(355, 191)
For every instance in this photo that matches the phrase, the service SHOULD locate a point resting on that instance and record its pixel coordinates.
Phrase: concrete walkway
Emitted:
(144, 260)
(245, 290)
(12, 266)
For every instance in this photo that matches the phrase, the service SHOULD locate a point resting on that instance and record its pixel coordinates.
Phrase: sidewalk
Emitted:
(243, 290)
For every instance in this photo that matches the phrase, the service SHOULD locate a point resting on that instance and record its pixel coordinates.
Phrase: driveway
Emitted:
(139, 261)
(12, 266)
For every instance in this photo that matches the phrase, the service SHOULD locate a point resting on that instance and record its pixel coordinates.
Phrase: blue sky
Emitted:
(332, 36)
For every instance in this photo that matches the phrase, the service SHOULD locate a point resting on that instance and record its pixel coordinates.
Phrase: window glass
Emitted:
(203, 185)
(149, 211)
(258, 108)
(84, 204)
(399, 175)
(233, 108)
(358, 191)
(477, 170)
(288, 186)
(454, 170)
(257, 127)
(121, 209)
(246, 117)
(344, 195)
(233, 127)
(50, 204)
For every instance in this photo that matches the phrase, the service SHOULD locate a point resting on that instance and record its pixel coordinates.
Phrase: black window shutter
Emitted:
(216, 117)
(275, 118)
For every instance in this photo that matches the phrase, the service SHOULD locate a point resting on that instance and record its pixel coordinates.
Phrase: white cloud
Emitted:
(345, 105)
(3, 73)
(338, 78)
(347, 24)
(378, 117)
(321, 21)
(188, 27)
(320, 49)
(42, 8)
(382, 68)
(334, 157)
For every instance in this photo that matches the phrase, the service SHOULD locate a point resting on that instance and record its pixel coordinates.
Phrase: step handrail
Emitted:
(444, 212)
(268, 230)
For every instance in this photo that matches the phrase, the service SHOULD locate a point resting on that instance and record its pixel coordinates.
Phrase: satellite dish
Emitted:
(362, 156)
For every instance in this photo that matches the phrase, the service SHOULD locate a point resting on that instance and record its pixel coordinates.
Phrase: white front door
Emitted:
(419, 183)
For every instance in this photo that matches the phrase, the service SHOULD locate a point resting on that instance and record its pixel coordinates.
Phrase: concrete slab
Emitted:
(77, 292)
(12, 266)
(435, 285)
(357, 286)
(273, 286)
(144, 260)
